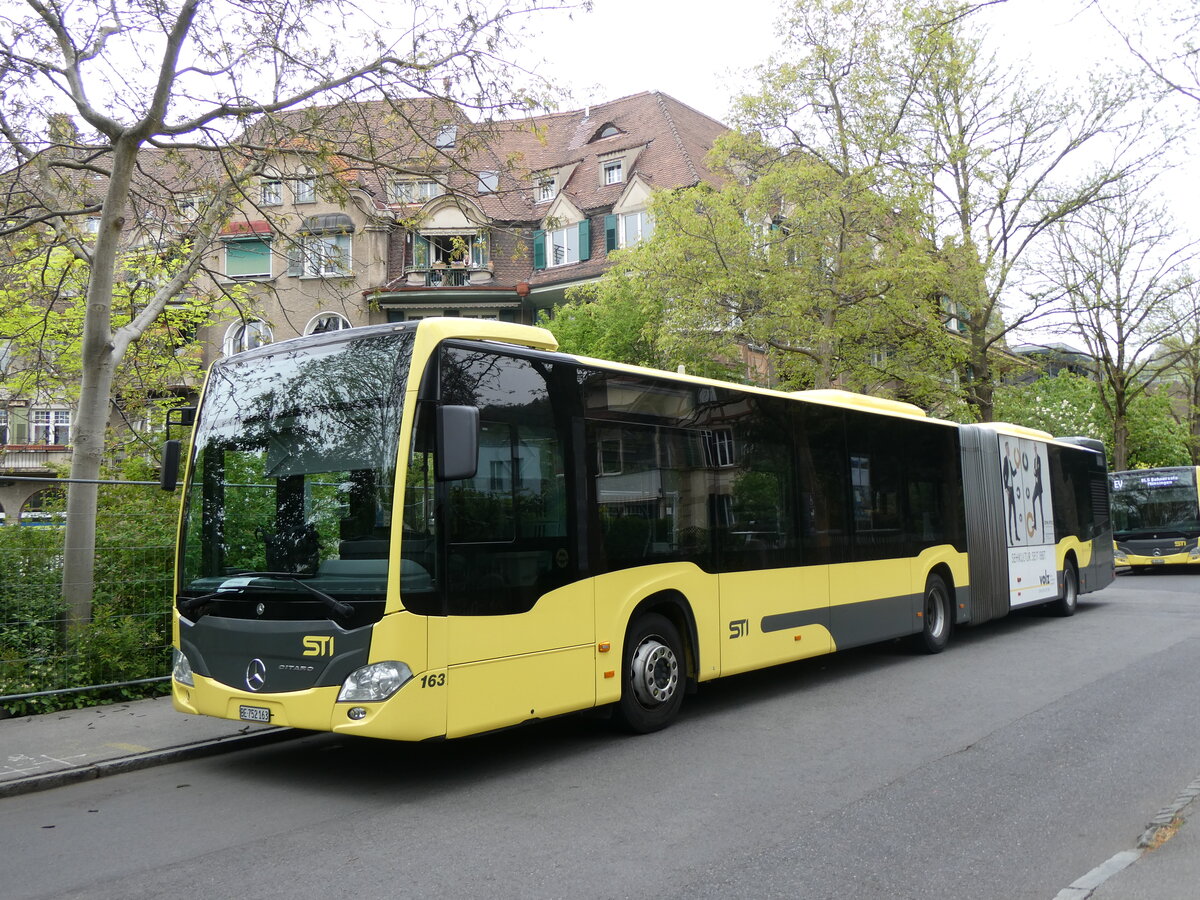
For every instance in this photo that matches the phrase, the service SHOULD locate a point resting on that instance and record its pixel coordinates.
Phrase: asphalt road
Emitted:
(1028, 753)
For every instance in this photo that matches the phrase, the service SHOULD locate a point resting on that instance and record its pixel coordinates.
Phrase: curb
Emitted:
(148, 760)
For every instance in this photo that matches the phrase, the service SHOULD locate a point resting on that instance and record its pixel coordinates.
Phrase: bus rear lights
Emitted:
(375, 682)
(181, 669)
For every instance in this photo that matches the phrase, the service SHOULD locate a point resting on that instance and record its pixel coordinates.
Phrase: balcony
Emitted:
(447, 278)
(41, 459)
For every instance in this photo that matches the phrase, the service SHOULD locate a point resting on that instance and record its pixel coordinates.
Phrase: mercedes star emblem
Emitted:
(256, 674)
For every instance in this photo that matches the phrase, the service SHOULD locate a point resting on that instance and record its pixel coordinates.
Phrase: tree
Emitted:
(1162, 37)
(1121, 271)
(1071, 405)
(1183, 373)
(1008, 162)
(812, 251)
(41, 329)
(203, 88)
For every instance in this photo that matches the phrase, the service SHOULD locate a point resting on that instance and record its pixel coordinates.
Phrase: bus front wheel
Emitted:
(652, 675)
(936, 616)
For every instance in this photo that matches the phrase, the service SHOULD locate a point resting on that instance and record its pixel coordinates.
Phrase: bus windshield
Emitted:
(292, 480)
(1155, 501)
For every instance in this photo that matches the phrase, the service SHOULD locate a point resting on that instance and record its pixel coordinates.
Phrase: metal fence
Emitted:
(128, 640)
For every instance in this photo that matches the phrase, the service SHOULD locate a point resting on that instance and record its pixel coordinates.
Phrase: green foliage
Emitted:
(129, 636)
(1156, 437)
(1069, 405)
(42, 312)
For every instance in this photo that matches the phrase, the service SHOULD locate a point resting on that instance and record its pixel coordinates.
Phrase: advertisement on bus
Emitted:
(1029, 532)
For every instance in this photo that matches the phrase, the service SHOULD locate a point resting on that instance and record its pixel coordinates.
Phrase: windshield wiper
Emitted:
(339, 608)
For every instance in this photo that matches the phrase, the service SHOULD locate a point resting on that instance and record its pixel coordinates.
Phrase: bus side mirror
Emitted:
(457, 442)
(168, 476)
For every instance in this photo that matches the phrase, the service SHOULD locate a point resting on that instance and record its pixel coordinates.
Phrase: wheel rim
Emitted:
(654, 671)
(935, 613)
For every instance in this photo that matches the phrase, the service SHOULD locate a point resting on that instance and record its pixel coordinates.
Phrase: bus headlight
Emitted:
(181, 669)
(1195, 554)
(375, 682)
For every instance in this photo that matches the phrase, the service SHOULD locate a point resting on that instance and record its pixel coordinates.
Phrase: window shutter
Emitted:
(585, 240)
(610, 234)
(539, 249)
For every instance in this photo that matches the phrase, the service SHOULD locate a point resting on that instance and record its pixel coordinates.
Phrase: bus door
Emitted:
(520, 629)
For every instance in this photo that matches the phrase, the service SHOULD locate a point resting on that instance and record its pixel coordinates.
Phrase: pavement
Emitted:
(55, 749)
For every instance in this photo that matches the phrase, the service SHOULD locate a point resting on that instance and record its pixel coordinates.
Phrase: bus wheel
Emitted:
(936, 616)
(652, 677)
(1069, 601)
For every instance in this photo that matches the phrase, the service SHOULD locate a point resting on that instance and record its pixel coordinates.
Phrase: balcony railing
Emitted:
(32, 457)
(447, 278)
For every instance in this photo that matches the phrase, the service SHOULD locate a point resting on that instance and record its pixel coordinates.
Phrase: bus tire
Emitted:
(653, 676)
(936, 616)
(1069, 601)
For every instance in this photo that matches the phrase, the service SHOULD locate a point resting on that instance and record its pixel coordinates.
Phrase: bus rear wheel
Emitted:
(652, 675)
(1069, 601)
(936, 616)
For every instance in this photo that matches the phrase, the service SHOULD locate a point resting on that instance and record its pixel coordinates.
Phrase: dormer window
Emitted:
(545, 189)
(613, 172)
(447, 136)
(413, 190)
(606, 131)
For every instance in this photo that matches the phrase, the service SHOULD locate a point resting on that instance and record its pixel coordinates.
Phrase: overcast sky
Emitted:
(624, 47)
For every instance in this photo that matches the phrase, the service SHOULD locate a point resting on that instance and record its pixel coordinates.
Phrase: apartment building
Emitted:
(383, 211)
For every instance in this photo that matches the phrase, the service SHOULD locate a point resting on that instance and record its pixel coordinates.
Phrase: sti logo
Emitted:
(318, 645)
(739, 628)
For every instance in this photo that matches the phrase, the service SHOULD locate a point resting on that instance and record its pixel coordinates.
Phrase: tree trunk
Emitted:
(96, 380)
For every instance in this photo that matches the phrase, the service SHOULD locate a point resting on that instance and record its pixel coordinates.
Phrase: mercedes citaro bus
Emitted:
(440, 528)
(1156, 517)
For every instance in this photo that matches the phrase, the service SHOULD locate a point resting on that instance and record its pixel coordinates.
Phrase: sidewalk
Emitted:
(46, 751)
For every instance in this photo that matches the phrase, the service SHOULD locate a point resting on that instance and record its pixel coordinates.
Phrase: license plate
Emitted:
(254, 713)
(1157, 562)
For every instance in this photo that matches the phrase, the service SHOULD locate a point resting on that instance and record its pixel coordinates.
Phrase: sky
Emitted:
(624, 47)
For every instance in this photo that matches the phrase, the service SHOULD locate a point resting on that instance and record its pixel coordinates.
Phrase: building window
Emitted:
(304, 189)
(545, 189)
(188, 206)
(272, 191)
(613, 172)
(246, 336)
(489, 182)
(413, 190)
(718, 447)
(564, 245)
(635, 227)
(326, 322)
(50, 426)
(447, 136)
(321, 256)
(3, 427)
(248, 258)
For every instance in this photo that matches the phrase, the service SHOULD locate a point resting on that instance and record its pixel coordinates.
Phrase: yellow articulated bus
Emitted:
(441, 528)
(1156, 517)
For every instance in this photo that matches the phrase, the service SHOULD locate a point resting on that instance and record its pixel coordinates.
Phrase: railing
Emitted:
(447, 278)
(127, 643)
(30, 457)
